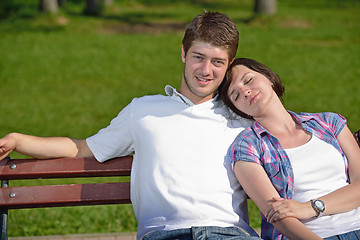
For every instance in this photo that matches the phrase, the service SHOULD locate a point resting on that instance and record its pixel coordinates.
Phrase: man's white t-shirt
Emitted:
(180, 177)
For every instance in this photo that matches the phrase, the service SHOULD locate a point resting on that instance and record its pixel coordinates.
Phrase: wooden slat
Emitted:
(64, 168)
(64, 195)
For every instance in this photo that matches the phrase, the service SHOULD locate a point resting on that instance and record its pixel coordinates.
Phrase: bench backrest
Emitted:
(61, 195)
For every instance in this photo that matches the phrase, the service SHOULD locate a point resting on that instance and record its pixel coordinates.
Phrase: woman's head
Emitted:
(255, 66)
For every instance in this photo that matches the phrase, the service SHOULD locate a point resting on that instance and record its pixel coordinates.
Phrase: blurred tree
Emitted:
(96, 7)
(61, 3)
(93, 7)
(49, 6)
(6, 7)
(108, 2)
(265, 7)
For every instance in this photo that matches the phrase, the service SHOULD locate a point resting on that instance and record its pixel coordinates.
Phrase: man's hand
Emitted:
(7, 145)
(43, 147)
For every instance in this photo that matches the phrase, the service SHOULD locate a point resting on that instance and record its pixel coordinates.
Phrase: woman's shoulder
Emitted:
(331, 121)
(247, 136)
(322, 116)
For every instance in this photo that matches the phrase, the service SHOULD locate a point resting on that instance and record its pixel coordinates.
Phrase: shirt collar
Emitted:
(174, 94)
(302, 118)
(258, 129)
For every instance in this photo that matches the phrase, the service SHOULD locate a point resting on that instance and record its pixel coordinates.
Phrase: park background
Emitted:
(69, 74)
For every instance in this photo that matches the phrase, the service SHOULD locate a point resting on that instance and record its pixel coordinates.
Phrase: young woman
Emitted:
(302, 170)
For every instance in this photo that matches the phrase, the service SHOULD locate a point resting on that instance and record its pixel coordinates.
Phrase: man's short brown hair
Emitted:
(215, 28)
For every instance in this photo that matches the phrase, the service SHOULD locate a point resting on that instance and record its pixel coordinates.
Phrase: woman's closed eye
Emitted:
(248, 80)
(236, 96)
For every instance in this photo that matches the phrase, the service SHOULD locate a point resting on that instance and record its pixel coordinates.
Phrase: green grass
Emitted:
(69, 75)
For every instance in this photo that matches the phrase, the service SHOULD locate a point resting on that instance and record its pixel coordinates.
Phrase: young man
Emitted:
(181, 186)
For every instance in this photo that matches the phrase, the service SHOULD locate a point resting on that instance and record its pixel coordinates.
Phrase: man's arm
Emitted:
(43, 147)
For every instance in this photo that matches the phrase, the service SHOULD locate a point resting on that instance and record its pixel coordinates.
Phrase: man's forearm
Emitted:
(49, 147)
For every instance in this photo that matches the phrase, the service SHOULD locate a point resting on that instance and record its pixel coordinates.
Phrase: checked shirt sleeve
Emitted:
(244, 148)
(336, 122)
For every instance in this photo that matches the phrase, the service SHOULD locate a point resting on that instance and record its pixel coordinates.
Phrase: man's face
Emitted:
(204, 69)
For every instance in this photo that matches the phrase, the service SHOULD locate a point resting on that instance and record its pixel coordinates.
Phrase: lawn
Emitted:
(69, 74)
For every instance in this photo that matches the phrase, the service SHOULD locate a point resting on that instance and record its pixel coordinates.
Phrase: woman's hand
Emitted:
(282, 208)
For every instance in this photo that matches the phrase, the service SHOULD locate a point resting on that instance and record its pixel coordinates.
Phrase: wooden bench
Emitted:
(64, 195)
(61, 195)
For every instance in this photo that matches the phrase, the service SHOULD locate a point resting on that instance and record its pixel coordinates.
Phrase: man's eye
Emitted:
(218, 63)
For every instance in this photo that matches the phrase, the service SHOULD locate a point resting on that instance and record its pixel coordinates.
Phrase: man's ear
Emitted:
(183, 53)
(231, 61)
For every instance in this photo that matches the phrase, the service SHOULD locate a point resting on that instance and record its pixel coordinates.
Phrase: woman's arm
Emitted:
(342, 200)
(348, 197)
(43, 147)
(258, 186)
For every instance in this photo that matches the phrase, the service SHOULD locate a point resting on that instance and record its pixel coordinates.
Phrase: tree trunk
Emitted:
(265, 7)
(108, 2)
(61, 3)
(49, 6)
(94, 7)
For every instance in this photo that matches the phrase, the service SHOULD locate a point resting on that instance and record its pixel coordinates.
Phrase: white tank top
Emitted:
(318, 170)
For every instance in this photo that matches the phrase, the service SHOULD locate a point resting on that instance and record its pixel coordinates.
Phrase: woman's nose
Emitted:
(245, 91)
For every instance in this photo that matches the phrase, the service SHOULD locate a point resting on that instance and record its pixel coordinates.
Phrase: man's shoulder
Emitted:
(150, 99)
(154, 105)
(234, 120)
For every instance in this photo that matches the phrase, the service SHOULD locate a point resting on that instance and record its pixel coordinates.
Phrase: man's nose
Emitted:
(206, 68)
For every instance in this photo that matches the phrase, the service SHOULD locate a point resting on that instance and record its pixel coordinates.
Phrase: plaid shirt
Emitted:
(256, 144)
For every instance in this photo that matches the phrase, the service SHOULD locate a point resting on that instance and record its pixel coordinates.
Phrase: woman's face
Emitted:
(250, 91)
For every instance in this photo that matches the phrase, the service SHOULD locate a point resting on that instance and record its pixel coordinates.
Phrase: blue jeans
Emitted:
(200, 233)
(354, 235)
